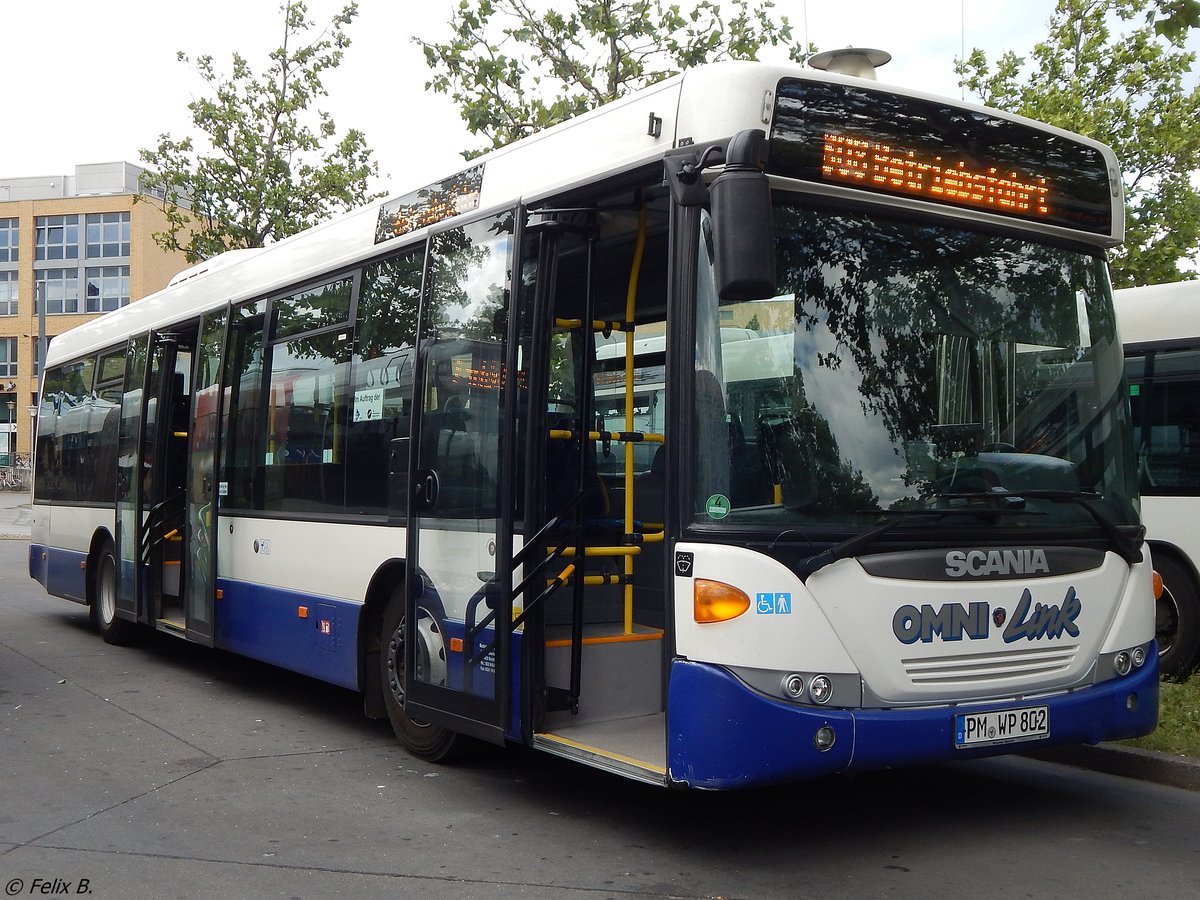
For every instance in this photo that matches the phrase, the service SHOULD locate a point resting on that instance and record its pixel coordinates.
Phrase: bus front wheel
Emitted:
(424, 740)
(114, 630)
(1177, 619)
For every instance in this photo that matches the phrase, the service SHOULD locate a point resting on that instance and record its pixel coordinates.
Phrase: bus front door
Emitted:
(460, 521)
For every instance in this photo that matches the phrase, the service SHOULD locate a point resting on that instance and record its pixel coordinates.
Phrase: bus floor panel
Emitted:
(634, 746)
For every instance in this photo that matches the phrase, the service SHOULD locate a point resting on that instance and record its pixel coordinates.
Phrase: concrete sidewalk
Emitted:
(16, 515)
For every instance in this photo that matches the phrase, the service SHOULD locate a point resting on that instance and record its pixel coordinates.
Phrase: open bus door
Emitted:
(200, 568)
(151, 494)
(130, 481)
(457, 614)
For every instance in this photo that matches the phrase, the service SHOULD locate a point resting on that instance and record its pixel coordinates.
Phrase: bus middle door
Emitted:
(459, 504)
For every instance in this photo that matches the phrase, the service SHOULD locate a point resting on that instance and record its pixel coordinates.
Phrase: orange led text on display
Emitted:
(881, 166)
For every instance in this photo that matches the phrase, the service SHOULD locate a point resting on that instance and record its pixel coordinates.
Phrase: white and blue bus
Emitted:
(765, 424)
(1160, 325)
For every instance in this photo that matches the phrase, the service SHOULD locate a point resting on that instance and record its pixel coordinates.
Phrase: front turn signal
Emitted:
(715, 601)
(1158, 585)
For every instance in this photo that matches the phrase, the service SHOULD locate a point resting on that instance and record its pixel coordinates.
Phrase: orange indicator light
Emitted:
(456, 645)
(715, 601)
(302, 612)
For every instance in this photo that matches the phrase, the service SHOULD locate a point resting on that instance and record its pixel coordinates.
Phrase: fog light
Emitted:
(1122, 662)
(1139, 657)
(824, 738)
(793, 686)
(1131, 702)
(820, 689)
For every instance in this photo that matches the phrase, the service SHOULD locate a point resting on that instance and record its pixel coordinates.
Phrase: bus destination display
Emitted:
(904, 170)
(924, 149)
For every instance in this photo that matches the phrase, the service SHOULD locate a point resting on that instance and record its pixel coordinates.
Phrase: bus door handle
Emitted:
(425, 488)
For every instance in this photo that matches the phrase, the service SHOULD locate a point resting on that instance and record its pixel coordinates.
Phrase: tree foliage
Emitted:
(272, 166)
(1126, 87)
(514, 70)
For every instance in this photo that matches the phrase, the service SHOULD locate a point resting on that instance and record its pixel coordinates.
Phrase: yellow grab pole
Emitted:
(630, 306)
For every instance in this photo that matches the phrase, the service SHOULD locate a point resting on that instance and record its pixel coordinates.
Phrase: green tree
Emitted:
(514, 70)
(1126, 88)
(272, 166)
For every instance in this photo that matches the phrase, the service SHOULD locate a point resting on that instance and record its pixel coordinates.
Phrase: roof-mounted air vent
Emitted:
(859, 62)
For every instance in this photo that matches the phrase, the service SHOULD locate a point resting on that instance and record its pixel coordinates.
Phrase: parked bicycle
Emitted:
(10, 482)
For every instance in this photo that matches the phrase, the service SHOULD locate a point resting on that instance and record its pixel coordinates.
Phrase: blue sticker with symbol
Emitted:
(774, 604)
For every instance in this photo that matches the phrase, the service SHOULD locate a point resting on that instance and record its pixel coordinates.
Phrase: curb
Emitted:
(1128, 762)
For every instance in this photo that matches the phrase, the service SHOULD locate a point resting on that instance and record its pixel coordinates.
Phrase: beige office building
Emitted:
(80, 244)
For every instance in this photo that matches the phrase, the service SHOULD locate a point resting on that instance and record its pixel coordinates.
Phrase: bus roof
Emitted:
(1159, 312)
(701, 106)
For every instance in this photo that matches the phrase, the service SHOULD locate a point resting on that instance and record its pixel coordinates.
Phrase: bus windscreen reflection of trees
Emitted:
(917, 347)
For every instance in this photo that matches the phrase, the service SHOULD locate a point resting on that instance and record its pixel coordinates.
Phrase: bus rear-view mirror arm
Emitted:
(739, 199)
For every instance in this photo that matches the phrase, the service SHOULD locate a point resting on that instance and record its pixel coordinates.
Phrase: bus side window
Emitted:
(382, 384)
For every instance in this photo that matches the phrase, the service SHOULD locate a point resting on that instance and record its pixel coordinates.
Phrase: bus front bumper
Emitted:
(722, 734)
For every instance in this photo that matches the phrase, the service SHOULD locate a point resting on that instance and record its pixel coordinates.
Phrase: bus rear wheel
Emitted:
(423, 740)
(114, 630)
(1177, 619)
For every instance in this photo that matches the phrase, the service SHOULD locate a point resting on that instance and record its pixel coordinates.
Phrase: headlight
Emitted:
(820, 689)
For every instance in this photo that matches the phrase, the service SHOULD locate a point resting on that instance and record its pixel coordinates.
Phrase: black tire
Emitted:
(423, 740)
(1177, 618)
(114, 630)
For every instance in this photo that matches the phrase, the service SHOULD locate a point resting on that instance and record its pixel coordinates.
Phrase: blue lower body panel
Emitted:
(721, 734)
(302, 632)
(61, 572)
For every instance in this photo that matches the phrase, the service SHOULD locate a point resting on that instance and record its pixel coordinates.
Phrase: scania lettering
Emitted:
(995, 562)
(706, 452)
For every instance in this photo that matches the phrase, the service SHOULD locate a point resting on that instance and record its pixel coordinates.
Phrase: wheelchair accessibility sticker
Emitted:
(774, 604)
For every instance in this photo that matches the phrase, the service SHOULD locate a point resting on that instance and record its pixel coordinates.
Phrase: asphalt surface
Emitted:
(16, 517)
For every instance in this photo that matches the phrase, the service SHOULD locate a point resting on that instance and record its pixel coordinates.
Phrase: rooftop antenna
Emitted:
(859, 62)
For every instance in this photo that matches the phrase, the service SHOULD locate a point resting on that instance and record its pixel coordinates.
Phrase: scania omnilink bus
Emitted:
(879, 508)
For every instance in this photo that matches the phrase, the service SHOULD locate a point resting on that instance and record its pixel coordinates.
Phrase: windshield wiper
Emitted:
(851, 546)
(1127, 547)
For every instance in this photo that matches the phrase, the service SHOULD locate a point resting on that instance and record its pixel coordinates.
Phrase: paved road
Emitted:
(169, 770)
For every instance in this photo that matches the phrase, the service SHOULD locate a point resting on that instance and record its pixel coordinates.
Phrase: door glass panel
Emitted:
(457, 478)
(201, 490)
(129, 475)
(240, 486)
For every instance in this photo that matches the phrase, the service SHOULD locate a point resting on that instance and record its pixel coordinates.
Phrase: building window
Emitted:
(57, 237)
(107, 235)
(8, 293)
(8, 357)
(107, 288)
(10, 240)
(58, 289)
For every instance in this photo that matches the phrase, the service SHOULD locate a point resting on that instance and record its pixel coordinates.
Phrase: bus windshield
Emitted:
(907, 365)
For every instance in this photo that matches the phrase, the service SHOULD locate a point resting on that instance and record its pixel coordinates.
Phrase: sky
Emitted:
(97, 80)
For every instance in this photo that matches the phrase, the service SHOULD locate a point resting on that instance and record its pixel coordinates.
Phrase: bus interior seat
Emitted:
(796, 461)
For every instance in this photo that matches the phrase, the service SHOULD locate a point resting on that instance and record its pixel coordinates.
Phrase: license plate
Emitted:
(1001, 726)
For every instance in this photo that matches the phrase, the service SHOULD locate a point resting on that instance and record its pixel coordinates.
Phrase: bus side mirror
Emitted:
(743, 239)
(740, 201)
